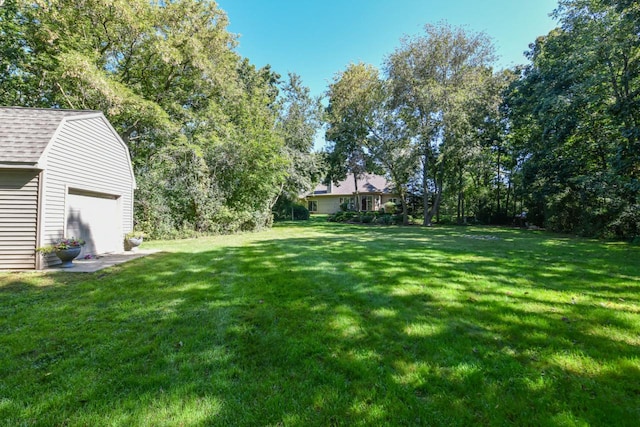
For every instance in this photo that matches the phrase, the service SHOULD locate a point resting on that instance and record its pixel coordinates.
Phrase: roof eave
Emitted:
(20, 165)
(360, 193)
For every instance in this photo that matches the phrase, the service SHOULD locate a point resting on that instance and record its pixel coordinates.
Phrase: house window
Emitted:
(350, 201)
(393, 200)
(367, 203)
(312, 205)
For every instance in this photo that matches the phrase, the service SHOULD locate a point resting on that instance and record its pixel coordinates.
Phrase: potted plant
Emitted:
(133, 239)
(66, 249)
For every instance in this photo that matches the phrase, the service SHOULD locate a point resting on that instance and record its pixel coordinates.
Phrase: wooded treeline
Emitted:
(557, 139)
(217, 144)
(575, 120)
(214, 141)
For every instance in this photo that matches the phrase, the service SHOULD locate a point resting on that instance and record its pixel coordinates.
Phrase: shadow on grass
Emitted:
(351, 325)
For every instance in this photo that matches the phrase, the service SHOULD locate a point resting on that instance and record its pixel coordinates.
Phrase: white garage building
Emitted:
(63, 173)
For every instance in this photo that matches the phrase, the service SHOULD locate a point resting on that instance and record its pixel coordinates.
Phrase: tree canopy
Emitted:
(216, 142)
(211, 143)
(428, 113)
(557, 139)
(575, 120)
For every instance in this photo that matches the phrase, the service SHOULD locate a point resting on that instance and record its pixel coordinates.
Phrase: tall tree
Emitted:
(363, 115)
(391, 146)
(432, 76)
(300, 117)
(575, 114)
(350, 105)
(199, 120)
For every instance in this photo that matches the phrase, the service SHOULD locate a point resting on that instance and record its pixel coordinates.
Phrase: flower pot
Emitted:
(67, 255)
(133, 242)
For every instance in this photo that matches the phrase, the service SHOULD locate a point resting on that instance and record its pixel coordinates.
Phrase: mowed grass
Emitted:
(321, 324)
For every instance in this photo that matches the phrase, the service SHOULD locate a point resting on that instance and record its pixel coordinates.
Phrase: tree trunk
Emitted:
(464, 216)
(358, 207)
(425, 190)
(506, 204)
(498, 185)
(460, 210)
(405, 211)
(435, 210)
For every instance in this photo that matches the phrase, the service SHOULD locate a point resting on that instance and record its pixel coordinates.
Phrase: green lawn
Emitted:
(331, 324)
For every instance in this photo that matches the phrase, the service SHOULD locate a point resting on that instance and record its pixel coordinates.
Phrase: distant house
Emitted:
(63, 173)
(373, 192)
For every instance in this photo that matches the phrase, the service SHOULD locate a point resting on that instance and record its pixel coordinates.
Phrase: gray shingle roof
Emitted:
(367, 184)
(25, 132)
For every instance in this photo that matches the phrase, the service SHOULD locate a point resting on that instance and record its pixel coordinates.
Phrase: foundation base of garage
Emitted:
(102, 261)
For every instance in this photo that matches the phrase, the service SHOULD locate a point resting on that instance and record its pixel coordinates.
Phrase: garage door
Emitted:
(95, 218)
(18, 219)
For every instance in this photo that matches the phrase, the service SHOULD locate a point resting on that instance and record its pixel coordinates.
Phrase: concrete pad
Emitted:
(103, 261)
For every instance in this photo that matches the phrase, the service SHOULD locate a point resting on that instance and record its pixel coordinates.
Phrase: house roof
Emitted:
(26, 132)
(367, 184)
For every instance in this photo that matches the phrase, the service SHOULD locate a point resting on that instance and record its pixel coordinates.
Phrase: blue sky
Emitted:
(318, 38)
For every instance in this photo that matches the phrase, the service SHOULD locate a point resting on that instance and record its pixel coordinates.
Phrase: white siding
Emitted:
(18, 218)
(327, 205)
(387, 197)
(85, 155)
(330, 204)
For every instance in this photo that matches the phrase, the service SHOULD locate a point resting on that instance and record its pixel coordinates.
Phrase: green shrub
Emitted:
(385, 219)
(300, 212)
(342, 216)
(390, 208)
(285, 209)
(368, 218)
(336, 217)
(626, 224)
